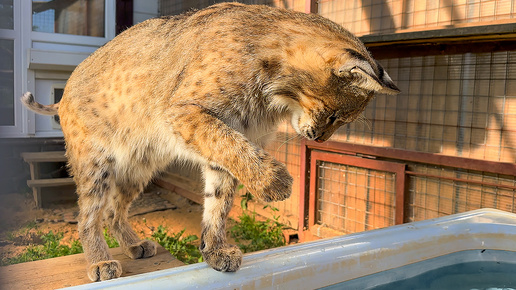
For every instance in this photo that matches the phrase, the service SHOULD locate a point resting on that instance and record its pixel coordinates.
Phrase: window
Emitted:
(6, 82)
(6, 65)
(56, 96)
(77, 17)
(6, 14)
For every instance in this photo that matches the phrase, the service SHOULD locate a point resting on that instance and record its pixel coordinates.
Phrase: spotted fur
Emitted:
(206, 87)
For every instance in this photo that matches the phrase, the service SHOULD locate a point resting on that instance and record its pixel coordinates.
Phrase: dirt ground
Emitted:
(21, 222)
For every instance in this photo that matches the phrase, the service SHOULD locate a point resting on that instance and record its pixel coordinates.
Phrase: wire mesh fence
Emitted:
(171, 7)
(459, 105)
(390, 16)
(436, 192)
(352, 199)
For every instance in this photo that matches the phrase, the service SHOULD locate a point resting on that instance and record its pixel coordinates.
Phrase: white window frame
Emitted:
(15, 35)
(61, 52)
(56, 85)
(58, 39)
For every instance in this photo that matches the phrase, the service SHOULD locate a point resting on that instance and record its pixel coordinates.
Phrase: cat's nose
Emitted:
(322, 138)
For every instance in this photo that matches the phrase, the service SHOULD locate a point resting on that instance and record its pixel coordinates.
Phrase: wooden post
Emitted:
(36, 191)
(311, 6)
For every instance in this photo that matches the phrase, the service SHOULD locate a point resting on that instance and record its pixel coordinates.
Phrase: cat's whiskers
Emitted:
(286, 141)
(364, 120)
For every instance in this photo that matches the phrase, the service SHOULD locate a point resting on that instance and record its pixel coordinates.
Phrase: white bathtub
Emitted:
(332, 261)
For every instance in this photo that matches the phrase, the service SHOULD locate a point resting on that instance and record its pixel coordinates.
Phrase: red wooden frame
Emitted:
(309, 196)
(397, 168)
(312, 151)
(504, 168)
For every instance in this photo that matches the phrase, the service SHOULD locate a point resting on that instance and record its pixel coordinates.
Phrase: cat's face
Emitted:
(322, 100)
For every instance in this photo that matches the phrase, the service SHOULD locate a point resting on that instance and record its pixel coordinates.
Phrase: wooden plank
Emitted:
(71, 270)
(50, 182)
(49, 156)
(466, 32)
(36, 191)
(183, 182)
(181, 186)
(505, 168)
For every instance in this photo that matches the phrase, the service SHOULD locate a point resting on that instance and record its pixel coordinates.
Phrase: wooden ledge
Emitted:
(70, 270)
(50, 182)
(48, 156)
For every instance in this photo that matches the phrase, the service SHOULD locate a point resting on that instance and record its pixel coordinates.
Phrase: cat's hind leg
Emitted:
(117, 215)
(93, 191)
(220, 187)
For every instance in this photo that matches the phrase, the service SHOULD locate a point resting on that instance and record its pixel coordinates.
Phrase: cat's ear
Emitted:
(363, 76)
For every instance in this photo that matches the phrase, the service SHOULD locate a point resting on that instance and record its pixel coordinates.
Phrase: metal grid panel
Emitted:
(374, 16)
(285, 147)
(459, 105)
(352, 199)
(172, 7)
(432, 197)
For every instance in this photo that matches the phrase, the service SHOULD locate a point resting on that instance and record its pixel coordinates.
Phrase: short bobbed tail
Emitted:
(28, 100)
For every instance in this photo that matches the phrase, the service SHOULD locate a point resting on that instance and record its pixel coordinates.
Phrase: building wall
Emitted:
(41, 61)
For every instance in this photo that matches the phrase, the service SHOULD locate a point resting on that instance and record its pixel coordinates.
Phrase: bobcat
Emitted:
(206, 87)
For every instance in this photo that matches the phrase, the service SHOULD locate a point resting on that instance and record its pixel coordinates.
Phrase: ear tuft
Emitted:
(364, 77)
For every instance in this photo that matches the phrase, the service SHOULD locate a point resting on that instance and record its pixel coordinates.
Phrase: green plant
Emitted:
(246, 197)
(180, 247)
(10, 236)
(31, 225)
(50, 248)
(252, 235)
(110, 240)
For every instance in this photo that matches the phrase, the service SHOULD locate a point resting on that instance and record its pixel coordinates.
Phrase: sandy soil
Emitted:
(21, 223)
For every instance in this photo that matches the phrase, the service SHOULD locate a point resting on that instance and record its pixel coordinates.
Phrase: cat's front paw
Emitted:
(142, 249)
(104, 270)
(278, 185)
(226, 259)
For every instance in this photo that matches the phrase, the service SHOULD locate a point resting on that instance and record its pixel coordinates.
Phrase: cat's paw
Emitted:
(104, 270)
(142, 249)
(278, 186)
(227, 259)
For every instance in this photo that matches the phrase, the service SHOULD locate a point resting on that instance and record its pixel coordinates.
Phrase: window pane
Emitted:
(6, 14)
(58, 95)
(6, 82)
(78, 17)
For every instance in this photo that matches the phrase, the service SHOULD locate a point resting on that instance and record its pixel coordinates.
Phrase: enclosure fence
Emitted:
(353, 188)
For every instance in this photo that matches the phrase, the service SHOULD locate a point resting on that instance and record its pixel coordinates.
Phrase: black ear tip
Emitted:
(393, 87)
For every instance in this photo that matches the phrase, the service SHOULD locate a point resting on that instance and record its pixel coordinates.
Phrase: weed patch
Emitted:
(180, 247)
(252, 234)
(50, 248)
